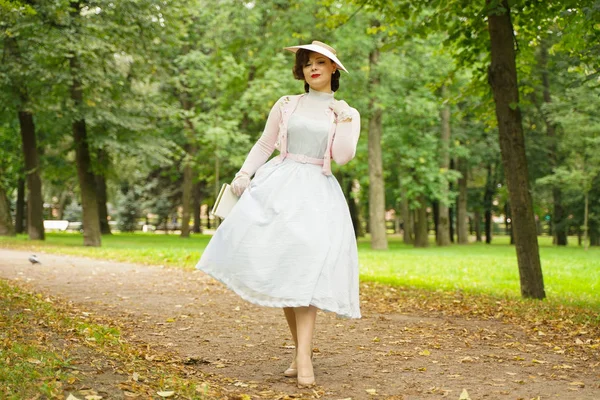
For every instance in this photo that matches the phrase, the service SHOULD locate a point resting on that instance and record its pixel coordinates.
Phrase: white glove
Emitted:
(240, 183)
(341, 110)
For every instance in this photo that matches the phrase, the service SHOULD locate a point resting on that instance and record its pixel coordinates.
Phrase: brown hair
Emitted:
(302, 56)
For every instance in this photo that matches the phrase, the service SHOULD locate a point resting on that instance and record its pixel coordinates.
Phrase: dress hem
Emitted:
(252, 299)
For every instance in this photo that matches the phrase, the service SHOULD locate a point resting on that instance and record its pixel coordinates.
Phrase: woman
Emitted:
(289, 241)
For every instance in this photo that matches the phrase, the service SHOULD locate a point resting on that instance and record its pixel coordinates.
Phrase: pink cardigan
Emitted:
(341, 141)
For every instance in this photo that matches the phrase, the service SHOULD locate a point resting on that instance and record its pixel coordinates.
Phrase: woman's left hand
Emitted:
(338, 106)
(341, 109)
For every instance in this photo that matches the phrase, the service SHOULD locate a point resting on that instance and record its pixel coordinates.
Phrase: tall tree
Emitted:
(488, 198)
(20, 206)
(559, 222)
(101, 191)
(462, 224)
(443, 225)
(407, 218)
(376, 181)
(87, 182)
(421, 223)
(476, 29)
(35, 202)
(502, 77)
(6, 225)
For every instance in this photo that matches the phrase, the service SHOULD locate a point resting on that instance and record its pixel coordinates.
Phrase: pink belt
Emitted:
(301, 158)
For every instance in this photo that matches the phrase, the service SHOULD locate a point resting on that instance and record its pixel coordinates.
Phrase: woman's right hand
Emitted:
(240, 183)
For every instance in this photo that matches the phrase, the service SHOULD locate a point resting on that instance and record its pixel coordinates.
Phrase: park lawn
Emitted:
(571, 274)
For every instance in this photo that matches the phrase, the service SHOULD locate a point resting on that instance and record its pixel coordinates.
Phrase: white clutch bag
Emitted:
(225, 202)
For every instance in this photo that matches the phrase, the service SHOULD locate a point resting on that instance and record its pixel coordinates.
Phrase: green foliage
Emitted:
(10, 157)
(575, 114)
(167, 85)
(128, 210)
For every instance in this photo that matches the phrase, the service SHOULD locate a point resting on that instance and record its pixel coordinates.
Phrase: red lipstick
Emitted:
(315, 75)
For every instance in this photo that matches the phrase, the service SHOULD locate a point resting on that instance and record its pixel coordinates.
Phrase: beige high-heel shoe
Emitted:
(292, 371)
(306, 381)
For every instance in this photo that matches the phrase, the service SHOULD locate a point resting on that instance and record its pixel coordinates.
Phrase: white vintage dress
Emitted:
(289, 241)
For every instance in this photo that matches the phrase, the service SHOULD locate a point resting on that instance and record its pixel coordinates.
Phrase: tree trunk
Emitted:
(585, 220)
(376, 181)
(353, 207)
(62, 203)
(191, 150)
(435, 207)
(35, 201)
(594, 238)
(462, 227)
(477, 217)
(502, 77)
(421, 224)
(451, 210)
(593, 223)
(188, 187)
(443, 225)
(101, 195)
(186, 198)
(208, 223)
(102, 209)
(407, 223)
(87, 182)
(558, 218)
(197, 204)
(6, 224)
(508, 222)
(20, 207)
(488, 196)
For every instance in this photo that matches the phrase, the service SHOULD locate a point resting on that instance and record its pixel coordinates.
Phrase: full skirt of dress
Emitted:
(288, 242)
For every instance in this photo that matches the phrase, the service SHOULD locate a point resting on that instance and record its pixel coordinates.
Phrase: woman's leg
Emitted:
(305, 326)
(290, 317)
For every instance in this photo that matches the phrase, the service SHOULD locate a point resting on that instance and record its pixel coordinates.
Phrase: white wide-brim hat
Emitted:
(321, 48)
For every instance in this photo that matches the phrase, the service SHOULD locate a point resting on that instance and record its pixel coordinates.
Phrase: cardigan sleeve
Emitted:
(345, 138)
(264, 147)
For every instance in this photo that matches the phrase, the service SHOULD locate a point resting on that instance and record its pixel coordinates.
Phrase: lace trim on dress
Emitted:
(268, 301)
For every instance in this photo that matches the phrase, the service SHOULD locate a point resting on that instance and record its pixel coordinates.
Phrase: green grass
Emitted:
(571, 275)
(29, 365)
(45, 344)
(27, 370)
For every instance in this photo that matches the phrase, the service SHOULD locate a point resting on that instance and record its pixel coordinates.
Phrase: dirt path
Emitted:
(380, 356)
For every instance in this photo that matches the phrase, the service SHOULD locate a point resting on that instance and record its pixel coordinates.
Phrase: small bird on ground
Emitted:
(34, 260)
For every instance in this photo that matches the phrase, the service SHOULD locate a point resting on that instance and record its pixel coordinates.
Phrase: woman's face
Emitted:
(318, 71)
